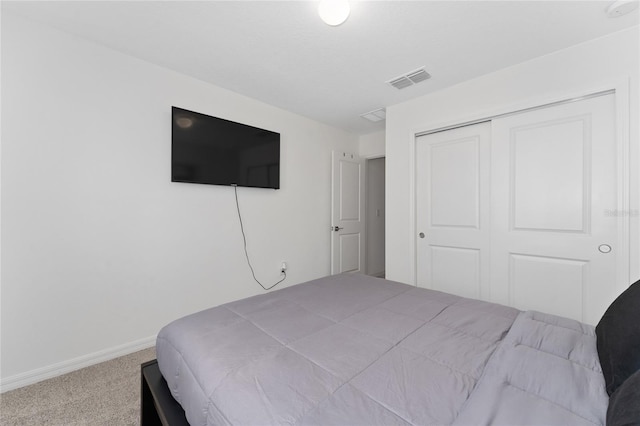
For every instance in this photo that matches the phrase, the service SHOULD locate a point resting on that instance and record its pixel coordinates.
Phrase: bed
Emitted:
(356, 350)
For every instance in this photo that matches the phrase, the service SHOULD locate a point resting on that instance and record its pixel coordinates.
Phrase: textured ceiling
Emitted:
(283, 54)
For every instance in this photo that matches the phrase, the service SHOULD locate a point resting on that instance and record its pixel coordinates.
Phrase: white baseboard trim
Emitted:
(44, 373)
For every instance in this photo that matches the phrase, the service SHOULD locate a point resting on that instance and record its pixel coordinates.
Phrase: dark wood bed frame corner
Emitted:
(157, 406)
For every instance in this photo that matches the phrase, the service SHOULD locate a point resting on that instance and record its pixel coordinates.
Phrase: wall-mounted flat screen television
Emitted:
(215, 151)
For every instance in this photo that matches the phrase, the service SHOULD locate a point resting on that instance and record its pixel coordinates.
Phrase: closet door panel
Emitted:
(554, 173)
(452, 244)
(550, 171)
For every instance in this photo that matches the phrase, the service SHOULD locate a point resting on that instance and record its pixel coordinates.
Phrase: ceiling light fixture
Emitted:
(334, 12)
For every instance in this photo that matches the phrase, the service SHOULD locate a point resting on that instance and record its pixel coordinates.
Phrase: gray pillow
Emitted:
(618, 338)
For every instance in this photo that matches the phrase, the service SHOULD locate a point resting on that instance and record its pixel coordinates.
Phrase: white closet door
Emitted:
(554, 179)
(452, 194)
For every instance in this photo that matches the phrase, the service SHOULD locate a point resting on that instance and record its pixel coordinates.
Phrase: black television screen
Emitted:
(215, 151)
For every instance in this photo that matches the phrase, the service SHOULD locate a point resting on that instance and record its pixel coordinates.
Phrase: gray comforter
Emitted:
(356, 350)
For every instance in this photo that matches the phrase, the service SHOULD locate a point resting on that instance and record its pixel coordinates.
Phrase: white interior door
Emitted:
(452, 220)
(347, 213)
(554, 247)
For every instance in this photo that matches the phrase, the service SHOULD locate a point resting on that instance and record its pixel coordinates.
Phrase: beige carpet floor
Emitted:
(103, 394)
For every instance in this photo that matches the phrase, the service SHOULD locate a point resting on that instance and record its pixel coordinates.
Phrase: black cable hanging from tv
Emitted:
(246, 253)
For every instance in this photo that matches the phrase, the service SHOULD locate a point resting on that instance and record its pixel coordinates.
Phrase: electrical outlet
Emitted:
(283, 268)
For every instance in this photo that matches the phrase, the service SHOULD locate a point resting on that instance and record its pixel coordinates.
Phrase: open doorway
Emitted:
(375, 217)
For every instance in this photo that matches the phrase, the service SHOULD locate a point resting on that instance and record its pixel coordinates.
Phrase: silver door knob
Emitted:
(336, 228)
(421, 235)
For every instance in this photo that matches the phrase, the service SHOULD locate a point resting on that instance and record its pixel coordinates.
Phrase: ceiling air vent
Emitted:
(409, 79)
(375, 115)
(401, 82)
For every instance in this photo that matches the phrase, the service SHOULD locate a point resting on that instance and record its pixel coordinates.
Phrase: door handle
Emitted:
(604, 248)
(336, 228)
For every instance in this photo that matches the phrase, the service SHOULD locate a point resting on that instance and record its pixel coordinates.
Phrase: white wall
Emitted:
(579, 69)
(99, 248)
(372, 145)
